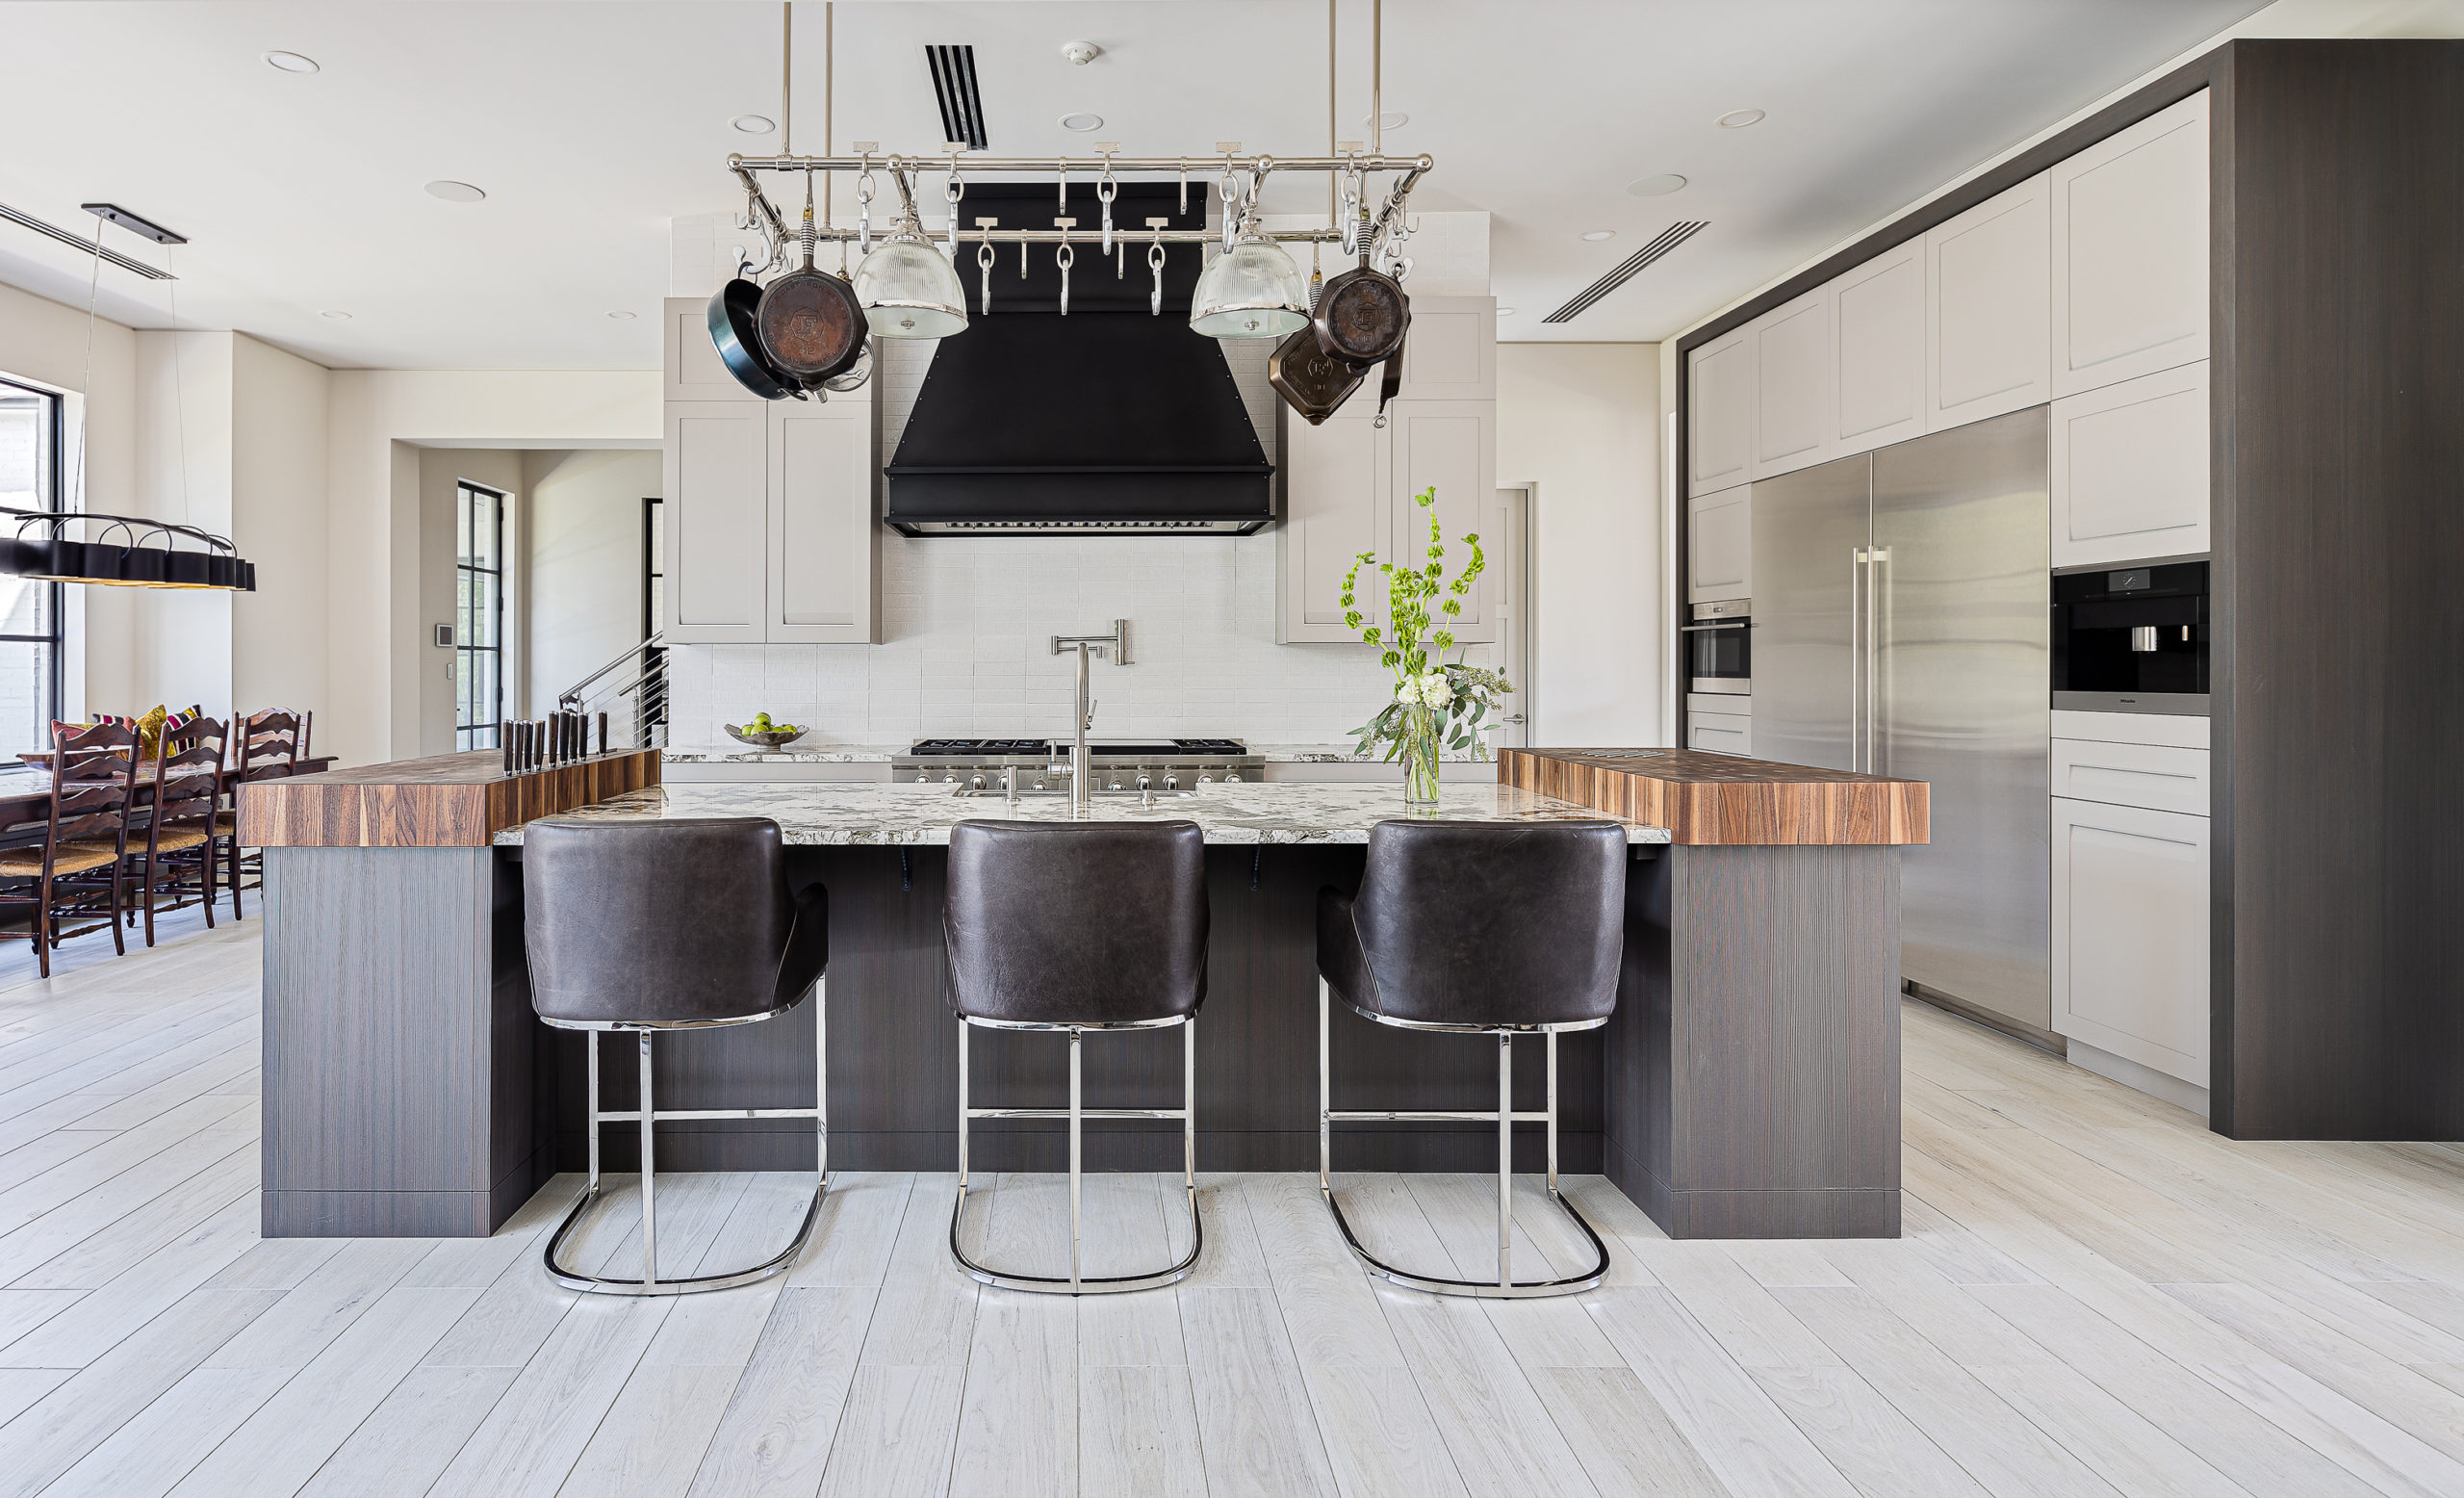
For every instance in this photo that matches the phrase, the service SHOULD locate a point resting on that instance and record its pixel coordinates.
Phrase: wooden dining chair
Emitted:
(268, 745)
(78, 870)
(180, 831)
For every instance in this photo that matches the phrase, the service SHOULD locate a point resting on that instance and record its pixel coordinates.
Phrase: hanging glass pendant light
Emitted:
(907, 288)
(1253, 289)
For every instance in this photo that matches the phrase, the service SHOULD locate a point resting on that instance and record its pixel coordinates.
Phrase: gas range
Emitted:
(1043, 765)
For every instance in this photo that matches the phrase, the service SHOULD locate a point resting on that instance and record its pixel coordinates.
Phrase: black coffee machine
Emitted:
(2131, 639)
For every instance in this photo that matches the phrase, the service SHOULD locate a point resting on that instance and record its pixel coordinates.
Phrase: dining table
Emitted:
(25, 796)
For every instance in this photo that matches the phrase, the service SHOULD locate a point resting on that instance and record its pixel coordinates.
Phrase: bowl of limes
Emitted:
(764, 735)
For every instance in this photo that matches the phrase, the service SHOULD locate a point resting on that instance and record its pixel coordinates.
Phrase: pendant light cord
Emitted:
(84, 396)
(179, 391)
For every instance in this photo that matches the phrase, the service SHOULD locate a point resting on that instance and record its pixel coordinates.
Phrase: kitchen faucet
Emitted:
(1082, 777)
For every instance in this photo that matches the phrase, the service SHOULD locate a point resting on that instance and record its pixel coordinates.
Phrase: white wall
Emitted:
(1577, 422)
(180, 640)
(582, 556)
(278, 477)
(380, 420)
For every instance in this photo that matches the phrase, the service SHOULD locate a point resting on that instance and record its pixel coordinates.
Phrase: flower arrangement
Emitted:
(1436, 700)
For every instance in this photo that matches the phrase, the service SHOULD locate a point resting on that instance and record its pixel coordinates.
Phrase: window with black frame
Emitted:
(32, 426)
(479, 616)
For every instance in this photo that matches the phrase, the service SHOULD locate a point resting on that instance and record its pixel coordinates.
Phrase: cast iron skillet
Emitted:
(1310, 383)
(731, 330)
(811, 326)
(1361, 316)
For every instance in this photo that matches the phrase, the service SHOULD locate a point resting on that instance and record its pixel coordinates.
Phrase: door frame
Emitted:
(1517, 608)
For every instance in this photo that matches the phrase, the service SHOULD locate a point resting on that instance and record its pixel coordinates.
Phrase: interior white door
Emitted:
(2130, 251)
(714, 508)
(1337, 504)
(1719, 437)
(1878, 351)
(1794, 397)
(2130, 927)
(1449, 446)
(2130, 470)
(1510, 569)
(824, 569)
(1987, 309)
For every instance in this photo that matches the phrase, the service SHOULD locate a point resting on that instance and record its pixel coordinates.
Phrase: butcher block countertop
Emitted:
(443, 801)
(1720, 799)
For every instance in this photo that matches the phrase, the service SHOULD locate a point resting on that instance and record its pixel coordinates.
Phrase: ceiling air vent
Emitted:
(954, 85)
(1666, 240)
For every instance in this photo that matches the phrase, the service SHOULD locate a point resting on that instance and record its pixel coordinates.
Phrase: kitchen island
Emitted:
(410, 1091)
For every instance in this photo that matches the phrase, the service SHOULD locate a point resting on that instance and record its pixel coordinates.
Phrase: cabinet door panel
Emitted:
(1719, 733)
(1452, 350)
(1719, 546)
(689, 360)
(715, 515)
(1719, 433)
(1449, 446)
(1793, 398)
(2130, 251)
(1987, 309)
(2130, 470)
(1337, 504)
(2130, 958)
(822, 557)
(1878, 349)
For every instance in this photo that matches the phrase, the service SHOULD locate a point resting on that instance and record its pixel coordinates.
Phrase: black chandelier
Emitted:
(118, 552)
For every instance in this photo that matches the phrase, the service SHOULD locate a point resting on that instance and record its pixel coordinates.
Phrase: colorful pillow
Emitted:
(174, 722)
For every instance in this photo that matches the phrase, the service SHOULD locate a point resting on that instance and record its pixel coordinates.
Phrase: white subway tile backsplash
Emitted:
(968, 621)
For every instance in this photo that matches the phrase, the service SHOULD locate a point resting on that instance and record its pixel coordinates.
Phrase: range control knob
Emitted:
(923, 777)
(949, 777)
(976, 783)
(1231, 777)
(1116, 783)
(1171, 783)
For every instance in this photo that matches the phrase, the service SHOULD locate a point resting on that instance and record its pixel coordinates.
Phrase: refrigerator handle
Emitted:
(1858, 683)
(1877, 585)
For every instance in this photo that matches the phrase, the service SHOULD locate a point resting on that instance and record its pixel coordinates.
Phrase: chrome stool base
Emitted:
(648, 1114)
(1505, 1287)
(1074, 1282)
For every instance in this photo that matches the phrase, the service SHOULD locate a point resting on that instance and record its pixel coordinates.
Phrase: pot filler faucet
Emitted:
(1081, 775)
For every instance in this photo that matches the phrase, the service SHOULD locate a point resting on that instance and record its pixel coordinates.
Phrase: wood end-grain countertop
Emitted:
(443, 801)
(1722, 799)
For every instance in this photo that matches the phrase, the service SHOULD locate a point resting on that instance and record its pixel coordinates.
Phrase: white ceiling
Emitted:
(590, 125)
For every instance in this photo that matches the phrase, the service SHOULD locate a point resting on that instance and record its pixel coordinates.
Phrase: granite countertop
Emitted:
(883, 754)
(894, 815)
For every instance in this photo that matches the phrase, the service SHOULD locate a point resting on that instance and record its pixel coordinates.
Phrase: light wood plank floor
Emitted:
(2095, 1297)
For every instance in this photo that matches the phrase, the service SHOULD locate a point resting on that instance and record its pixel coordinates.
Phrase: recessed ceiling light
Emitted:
(1597, 235)
(1659, 186)
(1392, 119)
(1505, 312)
(1082, 121)
(1739, 118)
(621, 315)
(755, 124)
(290, 62)
(454, 191)
(339, 316)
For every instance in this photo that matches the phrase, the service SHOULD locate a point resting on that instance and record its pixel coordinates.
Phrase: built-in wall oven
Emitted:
(1719, 647)
(2131, 638)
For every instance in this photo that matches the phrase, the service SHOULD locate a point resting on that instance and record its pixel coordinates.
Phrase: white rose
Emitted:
(1434, 689)
(1408, 691)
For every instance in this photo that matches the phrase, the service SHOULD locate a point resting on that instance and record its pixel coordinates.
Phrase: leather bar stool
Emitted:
(1480, 928)
(672, 926)
(1078, 927)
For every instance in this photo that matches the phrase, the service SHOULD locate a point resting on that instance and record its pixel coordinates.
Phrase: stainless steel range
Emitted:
(1162, 765)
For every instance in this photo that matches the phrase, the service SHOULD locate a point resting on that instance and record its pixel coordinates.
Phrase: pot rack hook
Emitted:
(1155, 263)
(952, 189)
(864, 194)
(984, 260)
(1227, 187)
(1107, 187)
(1060, 176)
(1065, 257)
(1185, 187)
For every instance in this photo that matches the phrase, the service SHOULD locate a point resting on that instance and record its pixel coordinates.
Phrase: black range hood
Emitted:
(1111, 421)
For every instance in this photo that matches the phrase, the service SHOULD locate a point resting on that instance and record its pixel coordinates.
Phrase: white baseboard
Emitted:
(2139, 1077)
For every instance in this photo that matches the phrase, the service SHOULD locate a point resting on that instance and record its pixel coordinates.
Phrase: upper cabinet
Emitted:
(1348, 488)
(1795, 389)
(770, 531)
(1450, 352)
(691, 361)
(1988, 314)
(2129, 470)
(1719, 546)
(2130, 251)
(1449, 446)
(1878, 351)
(1719, 437)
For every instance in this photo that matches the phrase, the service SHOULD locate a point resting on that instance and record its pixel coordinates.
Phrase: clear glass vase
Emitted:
(1420, 756)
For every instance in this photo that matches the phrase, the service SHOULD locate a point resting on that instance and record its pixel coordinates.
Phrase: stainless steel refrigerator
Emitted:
(1902, 625)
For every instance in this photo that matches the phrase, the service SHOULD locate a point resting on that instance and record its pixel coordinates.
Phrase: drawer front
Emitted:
(2158, 777)
(1720, 733)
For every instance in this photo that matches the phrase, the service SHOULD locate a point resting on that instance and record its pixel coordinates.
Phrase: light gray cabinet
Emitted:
(1719, 545)
(1795, 394)
(2130, 251)
(1988, 320)
(1719, 437)
(770, 507)
(1347, 489)
(2130, 469)
(1878, 352)
(2130, 914)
